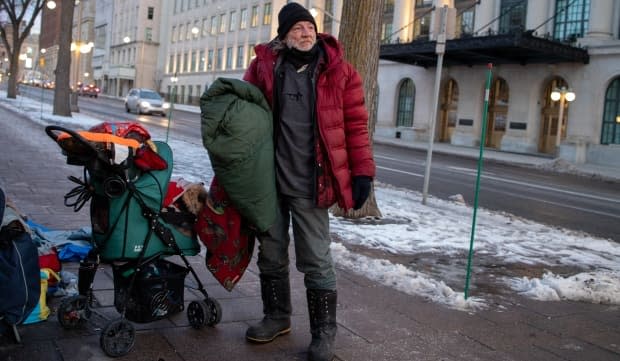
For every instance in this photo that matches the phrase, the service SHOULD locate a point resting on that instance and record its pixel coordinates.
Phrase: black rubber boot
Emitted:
(276, 295)
(322, 311)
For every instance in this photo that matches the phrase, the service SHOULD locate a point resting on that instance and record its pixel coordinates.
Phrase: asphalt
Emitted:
(375, 322)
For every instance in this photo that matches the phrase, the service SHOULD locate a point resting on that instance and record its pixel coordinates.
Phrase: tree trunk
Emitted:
(62, 92)
(360, 32)
(14, 51)
(11, 91)
(22, 16)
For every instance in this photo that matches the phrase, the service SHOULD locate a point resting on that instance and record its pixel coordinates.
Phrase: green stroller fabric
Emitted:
(126, 230)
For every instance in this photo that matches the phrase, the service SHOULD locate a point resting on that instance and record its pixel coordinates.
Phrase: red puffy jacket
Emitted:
(343, 149)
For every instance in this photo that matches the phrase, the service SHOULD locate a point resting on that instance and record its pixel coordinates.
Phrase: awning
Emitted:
(516, 48)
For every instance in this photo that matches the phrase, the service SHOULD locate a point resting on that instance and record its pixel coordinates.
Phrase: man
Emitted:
(323, 156)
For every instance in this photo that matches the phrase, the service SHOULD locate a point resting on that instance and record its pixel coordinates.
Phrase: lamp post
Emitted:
(173, 95)
(440, 49)
(194, 61)
(564, 95)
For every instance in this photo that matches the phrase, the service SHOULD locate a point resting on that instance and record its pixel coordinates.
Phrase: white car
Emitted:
(146, 101)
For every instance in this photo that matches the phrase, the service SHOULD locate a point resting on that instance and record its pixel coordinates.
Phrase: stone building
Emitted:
(535, 47)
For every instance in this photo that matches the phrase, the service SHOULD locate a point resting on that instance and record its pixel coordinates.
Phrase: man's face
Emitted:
(302, 36)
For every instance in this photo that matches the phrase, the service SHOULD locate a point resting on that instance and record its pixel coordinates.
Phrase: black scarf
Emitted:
(300, 58)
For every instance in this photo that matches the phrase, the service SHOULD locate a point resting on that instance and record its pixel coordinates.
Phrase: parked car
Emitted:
(146, 101)
(89, 90)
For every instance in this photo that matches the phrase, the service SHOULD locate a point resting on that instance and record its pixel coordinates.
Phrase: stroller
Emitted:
(130, 231)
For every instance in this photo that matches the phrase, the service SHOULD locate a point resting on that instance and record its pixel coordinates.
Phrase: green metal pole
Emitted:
(483, 133)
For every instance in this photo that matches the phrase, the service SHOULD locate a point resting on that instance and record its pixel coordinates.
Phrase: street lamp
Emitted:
(314, 11)
(173, 94)
(51, 5)
(562, 94)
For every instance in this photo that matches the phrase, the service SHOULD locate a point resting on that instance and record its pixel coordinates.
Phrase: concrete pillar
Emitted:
(601, 18)
(537, 13)
(484, 14)
(403, 19)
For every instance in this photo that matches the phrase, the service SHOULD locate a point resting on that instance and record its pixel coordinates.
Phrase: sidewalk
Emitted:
(375, 322)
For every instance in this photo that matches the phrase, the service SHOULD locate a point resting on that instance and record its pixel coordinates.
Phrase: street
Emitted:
(568, 201)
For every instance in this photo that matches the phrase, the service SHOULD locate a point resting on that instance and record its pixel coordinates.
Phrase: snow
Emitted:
(423, 249)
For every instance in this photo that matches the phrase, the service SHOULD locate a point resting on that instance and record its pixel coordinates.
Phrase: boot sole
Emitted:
(266, 340)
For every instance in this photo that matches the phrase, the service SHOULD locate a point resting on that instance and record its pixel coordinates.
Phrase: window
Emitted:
(150, 12)
(240, 54)
(465, 17)
(177, 64)
(422, 22)
(213, 25)
(203, 28)
(171, 64)
(229, 58)
(218, 59)
(181, 32)
(328, 21)
(421, 26)
(243, 19)
(186, 62)
(254, 20)
(406, 103)
(193, 62)
(148, 34)
(571, 20)
(201, 60)
(173, 34)
(232, 21)
(267, 14)
(210, 59)
(188, 31)
(387, 21)
(251, 54)
(197, 27)
(512, 16)
(610, 132)
(222, 23)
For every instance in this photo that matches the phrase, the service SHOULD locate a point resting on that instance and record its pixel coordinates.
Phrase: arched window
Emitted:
(610, 133)
(406, 103)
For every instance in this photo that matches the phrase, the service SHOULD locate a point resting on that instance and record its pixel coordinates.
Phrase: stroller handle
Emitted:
(52, 132)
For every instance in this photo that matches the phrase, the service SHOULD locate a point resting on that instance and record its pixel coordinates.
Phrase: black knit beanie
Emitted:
(289, 15)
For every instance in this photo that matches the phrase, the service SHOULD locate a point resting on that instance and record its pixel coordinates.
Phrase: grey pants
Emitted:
(312, 240)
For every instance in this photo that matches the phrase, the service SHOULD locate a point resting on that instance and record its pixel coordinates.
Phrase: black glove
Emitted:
(361, 190)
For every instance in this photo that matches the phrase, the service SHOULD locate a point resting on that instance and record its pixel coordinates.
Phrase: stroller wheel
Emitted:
(197, 314)
(117, 338)
(72, 311)
(215, 311)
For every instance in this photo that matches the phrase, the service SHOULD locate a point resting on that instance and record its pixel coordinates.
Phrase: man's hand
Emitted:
(361, 190)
